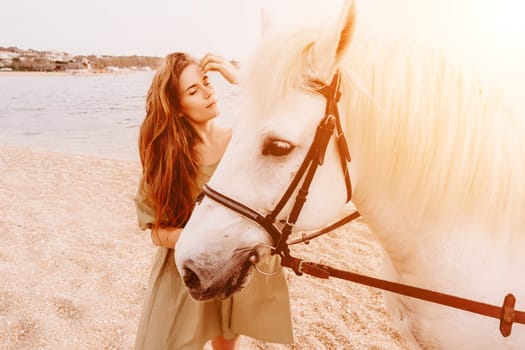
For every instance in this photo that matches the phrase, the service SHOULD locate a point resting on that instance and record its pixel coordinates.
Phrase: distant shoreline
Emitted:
(63, 73)
(21, 73)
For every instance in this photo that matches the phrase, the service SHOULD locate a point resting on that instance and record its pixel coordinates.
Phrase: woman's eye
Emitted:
(277, 148)
(192, 92)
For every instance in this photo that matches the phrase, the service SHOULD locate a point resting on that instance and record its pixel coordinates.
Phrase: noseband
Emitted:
(329, 125)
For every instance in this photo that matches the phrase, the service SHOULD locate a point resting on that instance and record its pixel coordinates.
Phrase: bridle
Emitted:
(330, 125)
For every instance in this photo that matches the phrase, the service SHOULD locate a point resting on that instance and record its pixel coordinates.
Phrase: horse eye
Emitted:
(277, 148)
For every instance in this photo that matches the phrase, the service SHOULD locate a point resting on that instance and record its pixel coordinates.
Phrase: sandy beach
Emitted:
(74, 265)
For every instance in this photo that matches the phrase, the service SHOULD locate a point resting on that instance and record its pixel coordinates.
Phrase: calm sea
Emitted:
(96, 115)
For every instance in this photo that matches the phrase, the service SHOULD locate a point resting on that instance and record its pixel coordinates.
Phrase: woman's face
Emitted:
(197, 96)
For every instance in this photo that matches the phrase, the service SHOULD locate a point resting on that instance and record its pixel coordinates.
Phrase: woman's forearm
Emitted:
(166, 236)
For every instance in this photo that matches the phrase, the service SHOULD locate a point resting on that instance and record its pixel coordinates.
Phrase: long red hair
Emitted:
(166, 147)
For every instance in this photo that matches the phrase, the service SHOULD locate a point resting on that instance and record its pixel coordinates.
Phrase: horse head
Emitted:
(281, 110)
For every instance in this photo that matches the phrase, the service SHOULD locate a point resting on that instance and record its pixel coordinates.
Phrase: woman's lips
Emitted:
(212, 104)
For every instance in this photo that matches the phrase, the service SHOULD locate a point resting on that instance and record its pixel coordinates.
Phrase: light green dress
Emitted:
(172, 320)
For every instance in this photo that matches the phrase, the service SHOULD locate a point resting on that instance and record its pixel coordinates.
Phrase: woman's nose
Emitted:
(209, 91)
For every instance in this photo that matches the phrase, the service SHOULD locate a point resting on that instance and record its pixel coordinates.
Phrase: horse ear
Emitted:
(332, 46)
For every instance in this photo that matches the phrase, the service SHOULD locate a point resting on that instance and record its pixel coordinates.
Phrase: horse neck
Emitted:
(429, 140)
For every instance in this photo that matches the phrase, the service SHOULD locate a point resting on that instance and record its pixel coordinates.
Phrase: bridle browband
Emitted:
(328, 126)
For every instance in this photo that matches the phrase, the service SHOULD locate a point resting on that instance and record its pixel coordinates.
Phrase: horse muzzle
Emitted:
(205, 281)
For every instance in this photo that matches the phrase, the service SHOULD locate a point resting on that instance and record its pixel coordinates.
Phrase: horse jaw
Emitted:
(213, 254)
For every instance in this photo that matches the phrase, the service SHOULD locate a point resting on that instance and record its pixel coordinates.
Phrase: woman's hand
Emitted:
(211, 62)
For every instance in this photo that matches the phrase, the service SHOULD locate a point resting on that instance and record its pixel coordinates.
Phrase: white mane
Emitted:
(425, 130)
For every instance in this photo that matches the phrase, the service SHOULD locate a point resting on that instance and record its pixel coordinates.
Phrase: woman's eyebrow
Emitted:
(204, 78)
(190, 87)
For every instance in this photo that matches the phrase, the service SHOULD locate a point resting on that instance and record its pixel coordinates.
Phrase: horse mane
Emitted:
(445, 139)
(425, 130)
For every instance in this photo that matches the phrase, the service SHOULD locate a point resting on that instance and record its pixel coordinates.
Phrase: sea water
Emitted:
(96, 114)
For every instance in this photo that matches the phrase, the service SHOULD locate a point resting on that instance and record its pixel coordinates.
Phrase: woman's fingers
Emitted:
(211, 58)
(211, 62)
(211, 66)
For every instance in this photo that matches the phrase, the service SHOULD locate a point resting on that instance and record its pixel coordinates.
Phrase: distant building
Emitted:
(56, 56)
(7, 55)
(31, 53)
(52, 60)
(10, 52)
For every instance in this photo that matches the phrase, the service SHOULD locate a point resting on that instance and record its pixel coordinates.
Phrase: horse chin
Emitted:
(226, 286)
(237, 281)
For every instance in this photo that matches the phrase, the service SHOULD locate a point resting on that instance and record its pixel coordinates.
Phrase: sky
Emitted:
(127, 27)
(491, 30)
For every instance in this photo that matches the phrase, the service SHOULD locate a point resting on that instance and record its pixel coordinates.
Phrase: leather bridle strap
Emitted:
(242, 209)
(332, 93)
(315, 155)
(505, 313)
(314, 158)
(307, 236)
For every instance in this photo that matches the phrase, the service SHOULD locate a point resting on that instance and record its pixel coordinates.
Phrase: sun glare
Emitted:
(486, 35)
(498, 34)
(498, 30)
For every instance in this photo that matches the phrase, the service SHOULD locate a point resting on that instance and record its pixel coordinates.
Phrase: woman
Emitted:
(180, 146)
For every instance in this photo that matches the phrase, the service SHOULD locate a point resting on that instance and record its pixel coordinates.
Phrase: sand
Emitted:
(74, 266)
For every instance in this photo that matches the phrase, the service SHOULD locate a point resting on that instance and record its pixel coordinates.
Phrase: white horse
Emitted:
(438, 174)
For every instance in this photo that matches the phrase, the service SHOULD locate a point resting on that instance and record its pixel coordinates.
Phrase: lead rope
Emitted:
(505, 313)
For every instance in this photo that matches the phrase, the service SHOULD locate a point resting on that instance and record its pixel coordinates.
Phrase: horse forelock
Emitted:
(445, 139)
(281, 64)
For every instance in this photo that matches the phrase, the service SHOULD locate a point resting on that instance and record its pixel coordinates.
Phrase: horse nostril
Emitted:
(191, 279)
